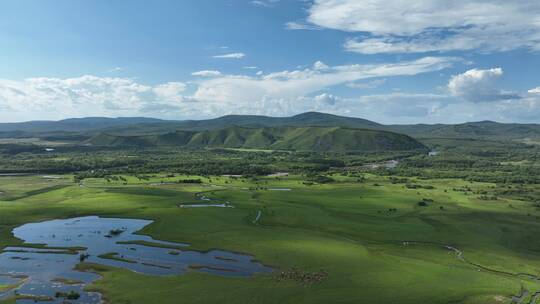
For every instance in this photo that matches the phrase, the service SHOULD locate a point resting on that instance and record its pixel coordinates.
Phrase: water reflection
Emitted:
(108, 241)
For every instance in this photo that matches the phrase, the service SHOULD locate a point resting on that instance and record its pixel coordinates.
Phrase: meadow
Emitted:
(366, 239)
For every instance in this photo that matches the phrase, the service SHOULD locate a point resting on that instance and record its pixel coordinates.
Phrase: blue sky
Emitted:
(388, 61)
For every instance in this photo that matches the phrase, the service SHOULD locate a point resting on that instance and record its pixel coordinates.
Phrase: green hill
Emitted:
(274, 138)
(309, 119)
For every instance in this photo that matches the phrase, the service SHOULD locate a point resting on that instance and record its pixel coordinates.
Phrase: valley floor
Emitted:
(378, 241)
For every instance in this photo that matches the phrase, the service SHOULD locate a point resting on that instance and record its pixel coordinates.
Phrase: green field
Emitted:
(377, 244)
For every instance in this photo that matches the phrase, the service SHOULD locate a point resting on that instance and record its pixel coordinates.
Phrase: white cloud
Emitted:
(265, 3)
(116, 69)
(367, 85)
(279, 94)
(319, 65)
(84, 96)
(401, 107)
(295, 25)
(398, 26)
(479, 86)
(250, 67)
(231, 56)
(170, 91)
(292, 84)
(326, 98)
(413, 45)
(526, 109)
(207, 73)
(534, 91)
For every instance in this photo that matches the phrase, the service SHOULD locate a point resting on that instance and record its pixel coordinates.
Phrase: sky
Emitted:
(390, 61)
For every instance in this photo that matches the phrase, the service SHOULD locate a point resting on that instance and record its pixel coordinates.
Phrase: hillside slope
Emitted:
(309, 119)
(278, 138)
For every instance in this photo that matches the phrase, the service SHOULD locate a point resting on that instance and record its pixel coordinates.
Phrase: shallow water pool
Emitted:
(44, 272)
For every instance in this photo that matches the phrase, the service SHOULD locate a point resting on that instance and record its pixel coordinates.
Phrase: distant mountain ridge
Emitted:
(147, 126)
(74, 124)
(481, 129)
(321, 139)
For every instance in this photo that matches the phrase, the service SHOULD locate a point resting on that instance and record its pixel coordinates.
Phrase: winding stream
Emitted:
(257, 217)
(515, 299)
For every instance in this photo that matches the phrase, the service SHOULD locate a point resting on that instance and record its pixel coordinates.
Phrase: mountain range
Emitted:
(143, 125)
(311, 131)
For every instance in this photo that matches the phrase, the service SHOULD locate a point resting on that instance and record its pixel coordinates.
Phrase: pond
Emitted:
(43, 273)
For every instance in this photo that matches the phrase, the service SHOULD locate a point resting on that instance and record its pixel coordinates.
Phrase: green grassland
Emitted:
(372, 238)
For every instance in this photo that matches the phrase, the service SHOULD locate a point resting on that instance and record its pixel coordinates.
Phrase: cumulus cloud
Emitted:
(326, 98)
(85, 96)
(397, 26)
(231, 56)
(170, 91)
(319, 65)
(479, 86)
(207, 73)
